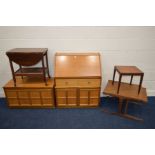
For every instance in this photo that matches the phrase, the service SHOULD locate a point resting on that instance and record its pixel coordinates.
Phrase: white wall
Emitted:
(117, 45)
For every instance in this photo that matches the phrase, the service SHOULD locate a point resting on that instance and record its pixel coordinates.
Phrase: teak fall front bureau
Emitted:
(30, 92)
(77, 79)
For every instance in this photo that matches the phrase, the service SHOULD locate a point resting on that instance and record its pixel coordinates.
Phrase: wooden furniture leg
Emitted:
(114, 75)
(47, 66)
(125, 113)
(120, 105)
(44, 73)
(131, 79)
(119, 83)
(126, 107)
(140, 84)
(21, 69)
(13, 74)
(128, 116)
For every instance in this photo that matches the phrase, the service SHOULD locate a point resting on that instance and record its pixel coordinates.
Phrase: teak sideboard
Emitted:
(29, 93)
(77, 79)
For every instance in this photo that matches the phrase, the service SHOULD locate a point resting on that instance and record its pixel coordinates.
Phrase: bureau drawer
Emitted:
(66, 82)
(88, 82)
(78, 82)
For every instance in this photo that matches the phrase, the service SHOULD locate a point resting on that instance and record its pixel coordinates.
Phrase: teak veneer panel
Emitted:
(77, 65)
(30, 82)
(77, 82)
(30, 93)
(127, 91)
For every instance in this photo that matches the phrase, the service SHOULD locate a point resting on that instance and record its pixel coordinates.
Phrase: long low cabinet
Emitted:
(29, 97)
(29, 94)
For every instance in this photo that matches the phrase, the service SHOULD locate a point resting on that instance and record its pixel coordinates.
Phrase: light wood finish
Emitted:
(128, 93)
(30, 82)
(77, 79)
(66, 82)
(89, 97)
(77, 82)
(88, 82)
(66, 97)
(30, 92)
(77, 65)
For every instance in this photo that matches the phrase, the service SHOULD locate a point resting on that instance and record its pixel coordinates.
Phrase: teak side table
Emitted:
(127, 93)
(128, 71)
(28, 57)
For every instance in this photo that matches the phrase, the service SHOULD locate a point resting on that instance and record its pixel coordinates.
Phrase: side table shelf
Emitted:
(29, 71)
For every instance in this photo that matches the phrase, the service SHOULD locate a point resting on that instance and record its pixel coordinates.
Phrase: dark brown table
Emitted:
(128, 71)
(26, 58)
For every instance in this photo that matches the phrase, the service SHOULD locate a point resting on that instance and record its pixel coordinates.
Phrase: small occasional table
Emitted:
(28, 57)
(128, 71)
(127, 93)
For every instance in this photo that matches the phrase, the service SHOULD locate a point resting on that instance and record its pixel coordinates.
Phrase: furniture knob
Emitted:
(89, 82)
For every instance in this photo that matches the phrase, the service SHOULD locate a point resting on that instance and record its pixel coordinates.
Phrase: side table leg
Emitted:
(47, 66)
(125, 114)
(128, 116)
(126, 107)
(21, 70)
(114, 75)
(119, 83)
(44, 73)
(131, 79)
(13, 73)
(140, 84)
(120, 105)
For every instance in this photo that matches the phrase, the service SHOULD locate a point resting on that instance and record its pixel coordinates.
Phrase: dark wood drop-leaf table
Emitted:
(26, 58)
